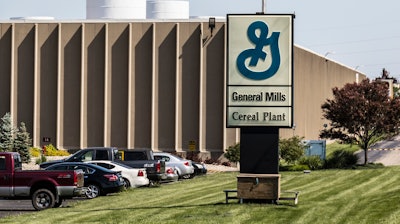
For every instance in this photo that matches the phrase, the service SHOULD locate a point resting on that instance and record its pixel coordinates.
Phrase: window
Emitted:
(87, 156)
(134, 156)
(101, 155)
(2, 163)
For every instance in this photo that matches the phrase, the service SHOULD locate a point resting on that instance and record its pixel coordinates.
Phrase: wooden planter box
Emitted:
(258, 186)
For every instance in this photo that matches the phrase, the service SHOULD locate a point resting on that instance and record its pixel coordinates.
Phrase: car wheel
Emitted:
(92, 191)
(187, 176)
(127, 184)
(58, 204)
(43, 199)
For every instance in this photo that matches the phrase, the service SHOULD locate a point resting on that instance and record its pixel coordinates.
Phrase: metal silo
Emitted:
(115, 9)
(168, 9)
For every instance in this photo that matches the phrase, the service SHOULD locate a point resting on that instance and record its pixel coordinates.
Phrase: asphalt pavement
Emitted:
(386, 152)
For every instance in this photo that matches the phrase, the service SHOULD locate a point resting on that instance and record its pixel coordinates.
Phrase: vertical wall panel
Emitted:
(142, 39)
(47, 67)
(118, 37)
(5, 68)
(95, 70)
(24, 35)
(215, 90)
(71, 38)
(166, 85)
(190, 82)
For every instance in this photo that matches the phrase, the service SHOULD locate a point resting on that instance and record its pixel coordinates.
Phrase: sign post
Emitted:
(259, 96)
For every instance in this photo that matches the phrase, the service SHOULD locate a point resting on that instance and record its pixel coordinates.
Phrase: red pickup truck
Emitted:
(46, 189)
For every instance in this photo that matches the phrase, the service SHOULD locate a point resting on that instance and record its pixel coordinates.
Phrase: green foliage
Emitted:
(330, 148)
(41, 159)
(22, 143)
(313, 162)
(50, 150)
(14, 139)
(291, 149)
(233, 153)
(341, 159)
(7, 132)
(295, 167)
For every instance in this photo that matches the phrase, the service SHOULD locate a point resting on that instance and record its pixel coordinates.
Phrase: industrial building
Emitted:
(154, 83)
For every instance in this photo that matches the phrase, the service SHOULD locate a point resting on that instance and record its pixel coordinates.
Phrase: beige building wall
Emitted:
(156, 85)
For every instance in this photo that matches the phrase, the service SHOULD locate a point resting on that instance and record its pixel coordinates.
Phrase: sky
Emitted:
(361, 34)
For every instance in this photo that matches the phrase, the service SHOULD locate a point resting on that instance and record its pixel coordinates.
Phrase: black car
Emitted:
(98, 180)
(199, 168)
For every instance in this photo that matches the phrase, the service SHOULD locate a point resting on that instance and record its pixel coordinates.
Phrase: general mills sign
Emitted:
(260, 70)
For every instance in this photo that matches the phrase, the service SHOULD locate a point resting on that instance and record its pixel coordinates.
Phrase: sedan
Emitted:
(199, 168)
(171, 175)
(98, 180)
(133, 177)
(183, 166)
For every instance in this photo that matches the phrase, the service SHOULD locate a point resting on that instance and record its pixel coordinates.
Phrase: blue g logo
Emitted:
(257, 53)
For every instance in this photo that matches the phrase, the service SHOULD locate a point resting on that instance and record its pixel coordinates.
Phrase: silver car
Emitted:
(182, 166)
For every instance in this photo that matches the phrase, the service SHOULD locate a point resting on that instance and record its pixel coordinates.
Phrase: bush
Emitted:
(291, 149)
(341, 159)
(50, 150)
(313, 162)
(233, 153)
(35, 152)
(41, 159)
(298, 167)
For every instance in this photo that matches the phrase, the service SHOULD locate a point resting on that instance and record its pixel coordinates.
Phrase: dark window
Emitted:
(2, 163)
(101, 155)
(135, 156)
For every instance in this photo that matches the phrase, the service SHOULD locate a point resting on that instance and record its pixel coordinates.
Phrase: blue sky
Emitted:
(360, 34)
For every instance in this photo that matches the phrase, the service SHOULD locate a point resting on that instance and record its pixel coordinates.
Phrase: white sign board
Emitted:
(260, 70)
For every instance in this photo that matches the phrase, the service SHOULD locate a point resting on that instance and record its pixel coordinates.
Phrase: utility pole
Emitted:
(263, 6)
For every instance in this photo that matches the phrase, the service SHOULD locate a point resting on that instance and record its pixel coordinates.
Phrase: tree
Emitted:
(291, 149)
(361, 113)
(22, 143)
(233, 153)
(7, 132)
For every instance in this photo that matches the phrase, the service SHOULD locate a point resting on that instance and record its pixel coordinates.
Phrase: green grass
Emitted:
(327, 196)
(337, 146)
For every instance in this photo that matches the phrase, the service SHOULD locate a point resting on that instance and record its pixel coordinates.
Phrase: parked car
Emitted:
(97, 180)
(171, 175)
(133, 177)
(199, 168)
(46, 189)
(135, 158)
(183, 166)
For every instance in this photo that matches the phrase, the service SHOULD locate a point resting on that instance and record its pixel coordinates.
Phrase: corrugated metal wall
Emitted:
(156, 85)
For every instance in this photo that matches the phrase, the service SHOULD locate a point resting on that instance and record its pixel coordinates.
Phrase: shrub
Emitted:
(233, 153)
(50, 150)
(291, 149)
(41, 159)
(341, 159)
(35, 152)
(313, 162)
(297, 167)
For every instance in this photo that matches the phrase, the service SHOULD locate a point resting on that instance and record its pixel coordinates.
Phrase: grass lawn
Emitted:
(327, 196)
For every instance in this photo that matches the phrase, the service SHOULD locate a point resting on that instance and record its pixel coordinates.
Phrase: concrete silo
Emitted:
(168, 9)
(115, 9)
